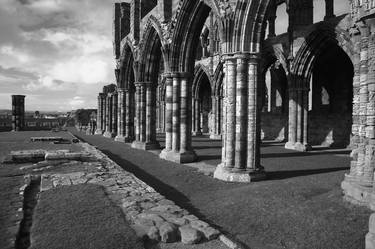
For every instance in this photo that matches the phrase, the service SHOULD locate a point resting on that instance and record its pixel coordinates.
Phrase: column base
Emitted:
(215, 136)
(196, 133)
(109, 134)
(178, 157)
(302, 147)
(298, 146)
(145, 145)
(89, 133)
(358, 191)
(98, 132)
(120, 139)
(370, 236)
(289, 145)
(226, 174)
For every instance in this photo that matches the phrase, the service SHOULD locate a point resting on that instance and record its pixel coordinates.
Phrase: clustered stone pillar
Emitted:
(100, 115)
(18, 112)
(120, 115)
(298, 114)
(241, 131)
(162, 115)
(216, 106)
(108, 116)
(358, 184)
(178, 119)
(129, 116)
(114, 114)
(197, 130)
(146, 117)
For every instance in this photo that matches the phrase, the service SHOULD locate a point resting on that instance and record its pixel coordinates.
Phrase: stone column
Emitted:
(137, 112)
(358, 184)
(105, 118)
(108, 127)
(241, 140)
(120, 115)
(114, 114)
(292, 123)
(197, 117)
(162, 116)
(242, 108)
(215, 132)
(100, 116)
(298, 115)
(176, 113)
(354, 139)
(168, 113)
(181, 150)
(146, 103)
(18, 112)
(129, 116)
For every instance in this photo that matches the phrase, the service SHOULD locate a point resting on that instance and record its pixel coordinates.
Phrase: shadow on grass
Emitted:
(279, 175)
(208, 157)
(166, 190)
(207, 147)
(304, 154)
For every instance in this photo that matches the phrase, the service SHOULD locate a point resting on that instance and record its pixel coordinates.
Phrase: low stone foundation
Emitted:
(151, 215)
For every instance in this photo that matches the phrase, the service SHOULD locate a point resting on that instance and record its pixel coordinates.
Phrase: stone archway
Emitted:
(202, 102)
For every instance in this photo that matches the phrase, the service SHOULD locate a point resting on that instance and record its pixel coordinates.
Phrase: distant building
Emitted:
(32, 123)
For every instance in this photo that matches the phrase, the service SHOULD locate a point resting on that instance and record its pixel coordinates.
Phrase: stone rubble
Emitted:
(26, 156)
(151, 215)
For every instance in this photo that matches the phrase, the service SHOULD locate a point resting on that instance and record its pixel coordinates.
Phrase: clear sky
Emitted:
(59, 52)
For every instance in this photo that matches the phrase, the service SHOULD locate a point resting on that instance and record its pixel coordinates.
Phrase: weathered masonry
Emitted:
(18, 112)
(218, 67)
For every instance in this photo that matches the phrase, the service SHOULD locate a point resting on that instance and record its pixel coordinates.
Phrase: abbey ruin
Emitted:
(217, 67)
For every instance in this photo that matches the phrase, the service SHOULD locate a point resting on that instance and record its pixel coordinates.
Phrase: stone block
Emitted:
(168, 232)
(189, 235)
(153, 233)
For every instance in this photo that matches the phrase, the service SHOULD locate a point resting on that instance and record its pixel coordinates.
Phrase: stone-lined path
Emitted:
(152, 215)
(300, 205)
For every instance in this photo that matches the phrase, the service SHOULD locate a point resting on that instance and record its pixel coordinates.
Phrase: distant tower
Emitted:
(18, 112)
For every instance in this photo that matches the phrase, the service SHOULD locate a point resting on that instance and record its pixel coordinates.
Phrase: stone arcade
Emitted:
(217, 67)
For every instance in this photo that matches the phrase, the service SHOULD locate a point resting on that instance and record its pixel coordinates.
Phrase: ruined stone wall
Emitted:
(330, 129)
(274, 126)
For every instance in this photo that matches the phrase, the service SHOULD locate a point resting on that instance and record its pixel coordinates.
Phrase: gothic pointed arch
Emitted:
(321, 37)
(187, 30)
(152, 49)
(200, 72)
(127, 66)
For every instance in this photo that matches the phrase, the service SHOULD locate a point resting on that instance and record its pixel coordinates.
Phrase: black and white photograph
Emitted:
(187, 124)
